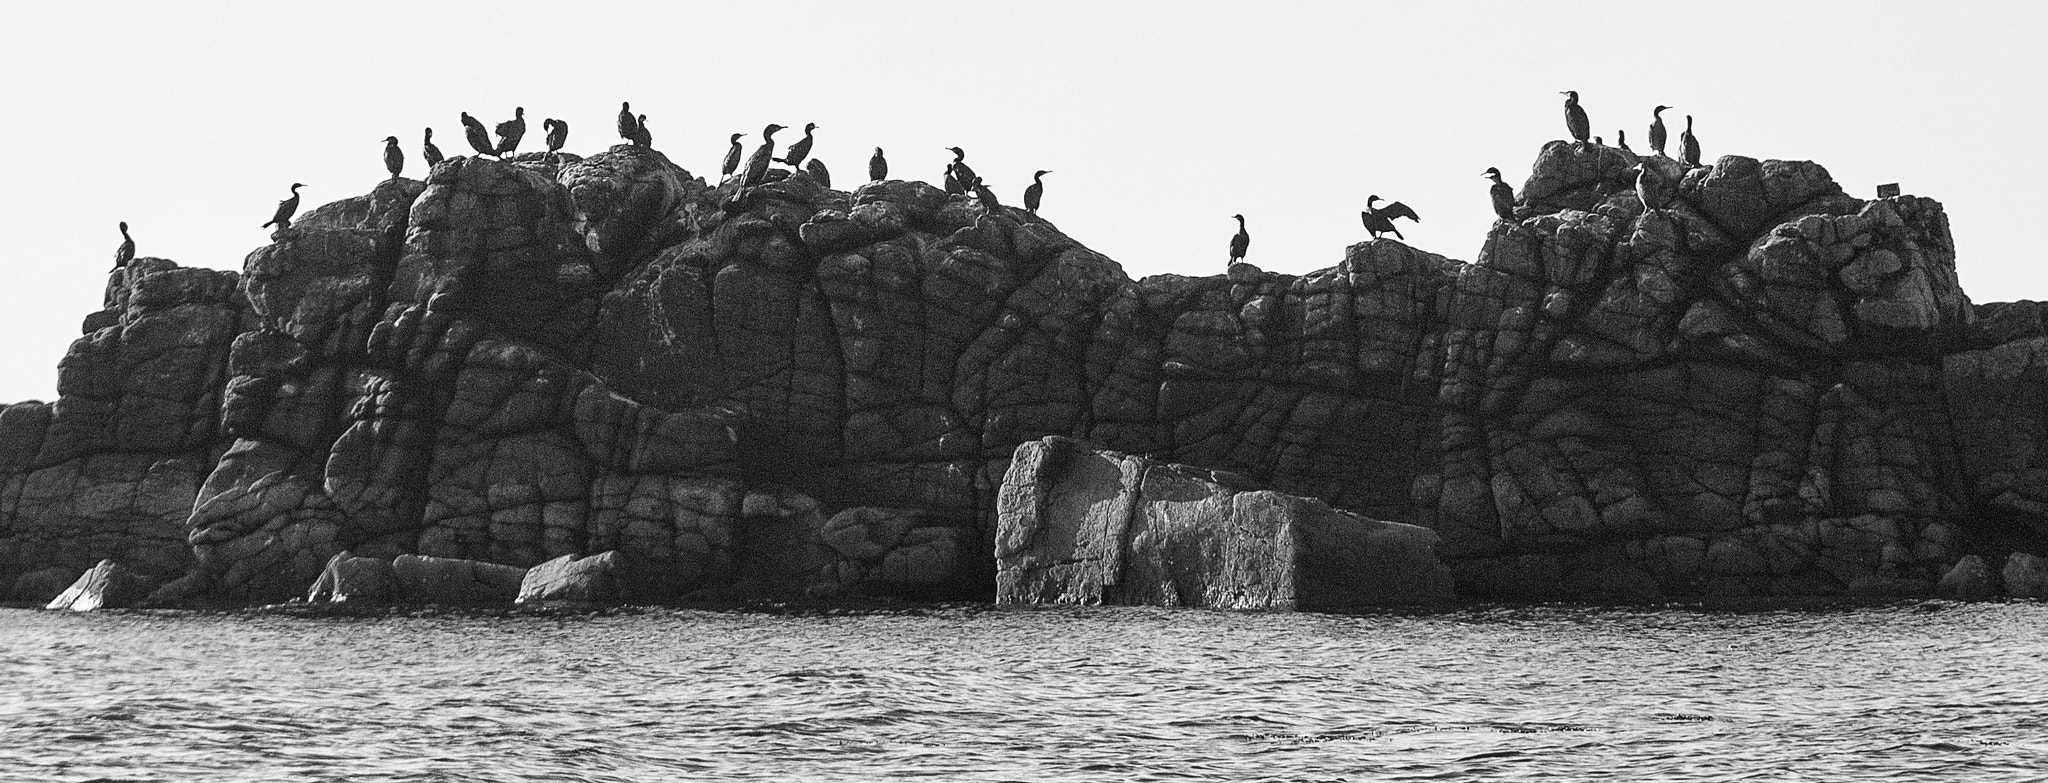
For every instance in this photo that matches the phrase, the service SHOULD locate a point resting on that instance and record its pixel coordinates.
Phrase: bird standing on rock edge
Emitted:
(732, 157)
(801, 149)
(394, 158)
(1621, 140)
(431, 152)
(958, 174)
(285, 209)
(1241, 242)
(1689, 145)
(1503, 195)
(816, 168)
(626, 121)
(1657, 133)
(984, 195)
(511, 131)
(558, 133)
(1035, 192)
(1651, 188)
(642, 137)
(479, 139)
(1381, 221)
(126, 252)
(1575, 117)
(757, 164)
(878, 167)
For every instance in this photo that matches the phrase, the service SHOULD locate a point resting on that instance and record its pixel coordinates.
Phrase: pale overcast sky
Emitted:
(1159, 120)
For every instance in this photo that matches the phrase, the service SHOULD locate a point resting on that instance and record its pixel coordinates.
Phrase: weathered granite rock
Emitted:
(1767, 387)
(444, 580)
(570, 578)
(351, 578)
(1078, 525)
(42, 585)
(1970, 580)
(2025, 575)
(107, 585)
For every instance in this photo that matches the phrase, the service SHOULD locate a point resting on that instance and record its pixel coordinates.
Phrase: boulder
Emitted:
(107, 586)
(446, 580)
(2025, 575)
(1970, 579)
(42, 585)
(1081, 525)
(350, 578)
(570, 578)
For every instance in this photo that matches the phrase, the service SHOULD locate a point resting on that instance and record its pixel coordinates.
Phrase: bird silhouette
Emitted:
(642, 137)
(983, 194)
(1575, 117)
(958, 174)
(1240, 243)
(1621, 140)
(394, 158)
(1034, 193)
(878, 167)
(1503, 195)
(558, 133)
(1689, 145)
(732, 157)
(626, 121)
(479, 139)
(511, 131)
(1381, 221)
(126, 252)
(801, 149)
(1652, 188)
(285, 209)
(1657, 133)
(757, 164)
(431, 152)
(816, 168)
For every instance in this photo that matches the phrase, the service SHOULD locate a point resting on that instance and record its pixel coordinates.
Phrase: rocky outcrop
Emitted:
(575, 579)
(1767, 386)
(1084, 526)
(107, 585)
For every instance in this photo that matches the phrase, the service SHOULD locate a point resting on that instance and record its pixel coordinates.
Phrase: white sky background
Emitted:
(1159, 120)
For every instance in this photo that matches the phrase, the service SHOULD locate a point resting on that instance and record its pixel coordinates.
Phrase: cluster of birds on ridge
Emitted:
(959, 177)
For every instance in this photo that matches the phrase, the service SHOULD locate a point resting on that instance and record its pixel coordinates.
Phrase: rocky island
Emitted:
(605, 378)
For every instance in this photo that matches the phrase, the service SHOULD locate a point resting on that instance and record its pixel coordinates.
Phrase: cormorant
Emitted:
(1598, 143)
(1689, 145)
(984, 195)
(801, 149)
(126, 252)
(626, 121)
(511, 131)
(285, 209)
(958, 175)
(757, 164)
(1621, 140)
(1035, 192)
(642, 137)
(1651, 188)
(1380, 221)
(558, 133)
(394, 158)
(432, 153)
(1503, 195)
(479, 138)
(732, 157)
(1575, 117)
(1241, 242)
(878, 167)
(1657, 129)
(816, 168)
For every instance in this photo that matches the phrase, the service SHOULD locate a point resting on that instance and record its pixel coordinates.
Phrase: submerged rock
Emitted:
(1079, 525)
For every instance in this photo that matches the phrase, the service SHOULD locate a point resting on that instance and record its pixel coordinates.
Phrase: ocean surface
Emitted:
(1912, 691)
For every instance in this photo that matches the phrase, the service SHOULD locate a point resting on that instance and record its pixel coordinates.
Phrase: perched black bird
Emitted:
(801, 149)
(1380, 221)
(1657, 129)
(958, 175)
(1689, 145)
(642, 137)
(479, 139)
(1575, 117)
(1621, 140)
(1651, 187)
(878, 167)
(394, 158)
(816, 168)
(1598, 143)
(757, 164)
(732, 157)
(431, 152)
(126, 252)
(983, 194)
(1035, 192)
(558, 133)
(285, 209)
(626, 121)
(1503, 195)
(511, 131)
(1241, 242)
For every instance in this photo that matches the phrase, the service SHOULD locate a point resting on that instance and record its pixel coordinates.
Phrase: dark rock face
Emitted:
(1768, 387)
(1083, 526)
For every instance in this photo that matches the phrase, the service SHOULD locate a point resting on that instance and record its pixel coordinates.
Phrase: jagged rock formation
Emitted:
(1767, 387)
(1083, 526)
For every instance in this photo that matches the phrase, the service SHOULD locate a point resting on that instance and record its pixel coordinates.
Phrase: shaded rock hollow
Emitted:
(1769, 387)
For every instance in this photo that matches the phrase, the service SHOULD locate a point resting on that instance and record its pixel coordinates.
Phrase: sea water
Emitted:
(1918, 690)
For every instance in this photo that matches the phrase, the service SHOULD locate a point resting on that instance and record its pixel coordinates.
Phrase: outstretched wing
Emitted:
(1399, 210)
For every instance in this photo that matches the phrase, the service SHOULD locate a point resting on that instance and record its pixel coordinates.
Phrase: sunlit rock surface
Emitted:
(1768, 387)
